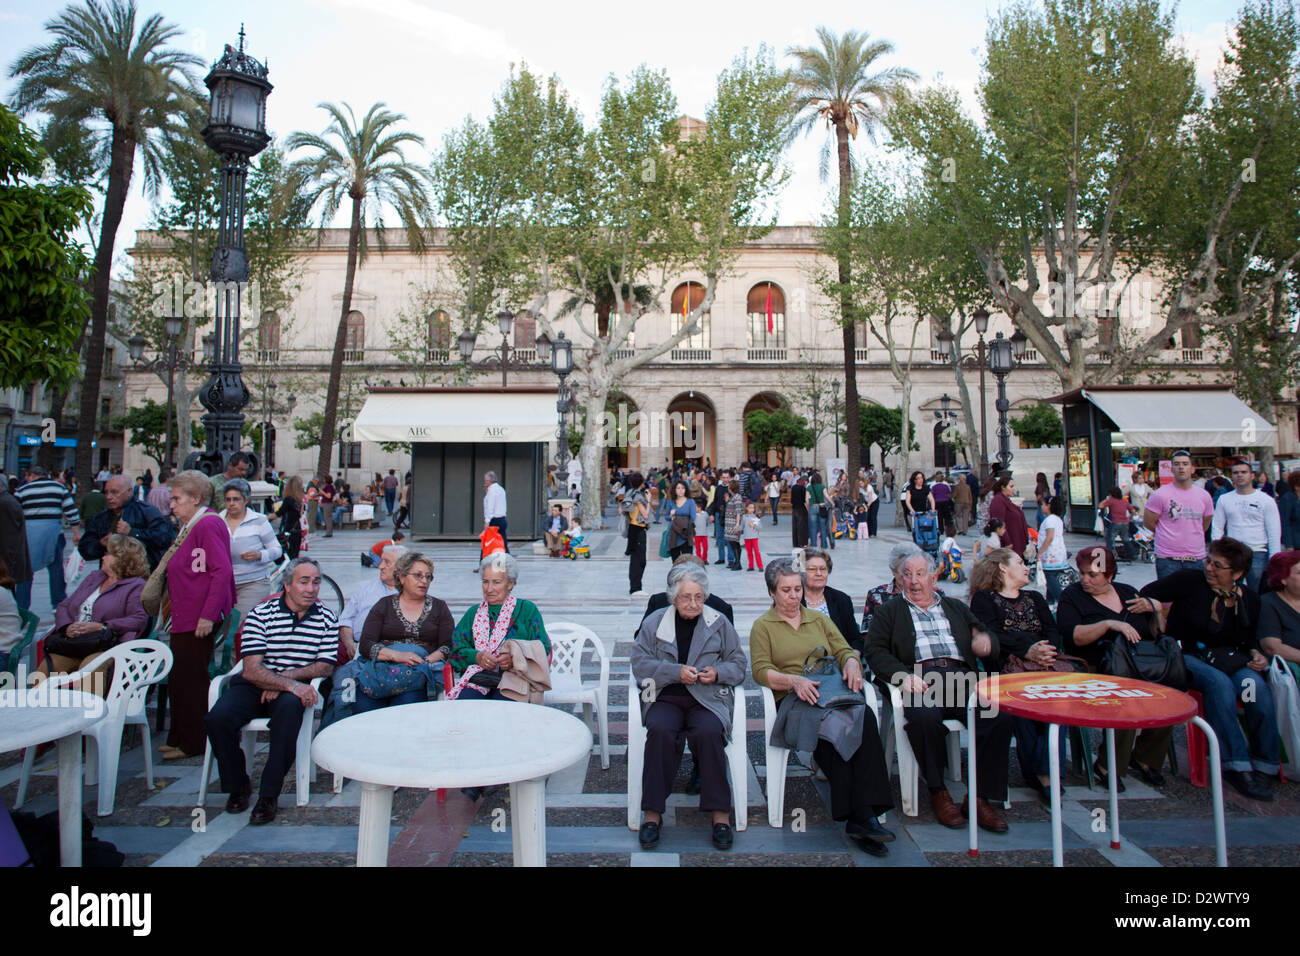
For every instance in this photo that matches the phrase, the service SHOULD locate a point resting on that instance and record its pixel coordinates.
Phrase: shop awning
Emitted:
(1182, 418)
(457, 415)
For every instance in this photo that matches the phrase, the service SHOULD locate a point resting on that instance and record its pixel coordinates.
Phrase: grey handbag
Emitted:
(832, 692)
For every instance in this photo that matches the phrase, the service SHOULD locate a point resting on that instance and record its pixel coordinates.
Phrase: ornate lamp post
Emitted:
(1002, 359)
(509, 357)
(561, 356)
(172, 361)
(236, 131)
(978, 361)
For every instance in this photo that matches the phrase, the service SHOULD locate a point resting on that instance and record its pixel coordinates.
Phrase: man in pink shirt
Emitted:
(1179, 514)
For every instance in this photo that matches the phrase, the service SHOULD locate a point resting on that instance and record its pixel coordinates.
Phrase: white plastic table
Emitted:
(32, 717)
(470, 743)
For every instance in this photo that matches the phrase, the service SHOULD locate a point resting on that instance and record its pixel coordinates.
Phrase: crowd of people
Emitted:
(1230, 603)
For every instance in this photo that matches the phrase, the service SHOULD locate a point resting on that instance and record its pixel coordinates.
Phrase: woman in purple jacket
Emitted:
(103, 611)
(201, 589)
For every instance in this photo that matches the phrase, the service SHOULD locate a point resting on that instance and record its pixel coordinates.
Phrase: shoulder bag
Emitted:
(1159, 661)
(832, 692)
(380, 680)
(155, 589)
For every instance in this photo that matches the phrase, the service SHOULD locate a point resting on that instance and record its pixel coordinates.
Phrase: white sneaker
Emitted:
(638, 594)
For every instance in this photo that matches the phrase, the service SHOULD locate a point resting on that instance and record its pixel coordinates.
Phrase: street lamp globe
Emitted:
(1019, 342)
(981, 320)
(562, 356)
(209, 346)
(465, 341)
(945, 402)
(505, 321)
(237, 115)
(135, 345)
(1000, 360)
(172, 325)
(543, 345)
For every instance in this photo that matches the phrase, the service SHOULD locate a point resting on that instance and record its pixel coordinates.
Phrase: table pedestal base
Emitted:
(528, 821)
(70, 800)
(373, 827)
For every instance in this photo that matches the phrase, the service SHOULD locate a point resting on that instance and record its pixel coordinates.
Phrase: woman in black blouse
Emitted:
(820, 596)
(917, 499)
(1215, 619)
(1092, 613)
(1024, 627)
(411, 616)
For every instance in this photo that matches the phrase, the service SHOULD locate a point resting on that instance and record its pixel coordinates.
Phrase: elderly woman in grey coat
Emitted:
(688, 661)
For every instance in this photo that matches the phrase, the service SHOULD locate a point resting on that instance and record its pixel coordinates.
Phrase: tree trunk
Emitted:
(904, 440)
(122, 158)
(596, 391)
(852, 414)
(329, 428)
(972, 431)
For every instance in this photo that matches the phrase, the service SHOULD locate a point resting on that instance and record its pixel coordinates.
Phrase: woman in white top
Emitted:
(1052, 554)
(254, 548)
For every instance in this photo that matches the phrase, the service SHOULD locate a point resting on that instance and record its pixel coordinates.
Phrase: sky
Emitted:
(439, 62)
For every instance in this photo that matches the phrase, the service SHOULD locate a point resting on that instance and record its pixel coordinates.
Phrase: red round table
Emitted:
(1090, 700)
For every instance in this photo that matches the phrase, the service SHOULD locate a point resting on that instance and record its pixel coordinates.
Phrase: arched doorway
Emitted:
(764, 402)
(688, 431)
(945, 454)
(624, 451)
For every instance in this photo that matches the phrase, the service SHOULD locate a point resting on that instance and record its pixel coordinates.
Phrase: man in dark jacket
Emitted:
(13, 537)
(125, 515)
(928, 646)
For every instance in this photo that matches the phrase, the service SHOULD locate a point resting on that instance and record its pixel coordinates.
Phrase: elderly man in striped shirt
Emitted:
(286, 643)
(47, 504)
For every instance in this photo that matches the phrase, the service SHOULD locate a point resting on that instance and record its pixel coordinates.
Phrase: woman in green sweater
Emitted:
(779, 643)
(499, 617)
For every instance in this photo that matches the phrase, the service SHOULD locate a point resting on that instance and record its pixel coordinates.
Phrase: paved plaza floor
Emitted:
(587, 806)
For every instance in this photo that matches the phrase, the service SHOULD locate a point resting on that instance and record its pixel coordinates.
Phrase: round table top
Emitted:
(34, 716)
(472, 743)
(1087, 700)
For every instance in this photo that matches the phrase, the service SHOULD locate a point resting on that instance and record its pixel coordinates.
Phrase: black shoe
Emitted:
(237, 802)
(1151, 776)
(1103, 777)
(363, 562)
(871, 830)
(871, 847)
(722, 837)
(472, 792)
(264, 812)
(720, 561)
(649, 836)
(1248, 784)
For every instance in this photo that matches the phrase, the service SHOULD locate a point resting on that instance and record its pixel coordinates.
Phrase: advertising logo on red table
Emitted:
(1091, 689)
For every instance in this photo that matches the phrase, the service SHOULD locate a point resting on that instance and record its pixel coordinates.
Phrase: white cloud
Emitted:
(1206, 48)
(455, 35)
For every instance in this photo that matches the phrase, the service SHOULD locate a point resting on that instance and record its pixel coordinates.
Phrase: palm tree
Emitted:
(100, 79)
(362, 162)
(835, 84)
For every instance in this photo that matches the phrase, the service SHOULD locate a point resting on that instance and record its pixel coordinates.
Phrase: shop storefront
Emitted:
(1113, 431)
(456, 435)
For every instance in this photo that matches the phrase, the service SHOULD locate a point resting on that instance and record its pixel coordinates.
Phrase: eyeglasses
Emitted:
(1218, 565)
(419, 576)
(689, 599)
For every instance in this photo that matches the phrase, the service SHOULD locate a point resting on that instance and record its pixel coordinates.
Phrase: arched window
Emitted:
(765, 306)
(268, 338)
(686, 298)
(439, 336)
(354, 345)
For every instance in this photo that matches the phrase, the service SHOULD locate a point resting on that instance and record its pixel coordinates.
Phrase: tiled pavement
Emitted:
(587, 806)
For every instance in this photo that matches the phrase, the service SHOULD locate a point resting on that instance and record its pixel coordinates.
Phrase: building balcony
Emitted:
(438, 356)
(939, 356)
(353, 356)
(624, 353)
(1194, 355)
(267, 356)
(692, 355)
(862, 356)
(766, 355)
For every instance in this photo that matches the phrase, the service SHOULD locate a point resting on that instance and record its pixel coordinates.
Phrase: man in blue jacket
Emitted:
(125, 515)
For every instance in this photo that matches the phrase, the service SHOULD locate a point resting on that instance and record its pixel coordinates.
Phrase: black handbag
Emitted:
(832, 692)
(82, 646)
(1227, 659)
(1159, 661)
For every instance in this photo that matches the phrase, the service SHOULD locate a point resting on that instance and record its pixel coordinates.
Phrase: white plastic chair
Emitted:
(136, 665)
(778, 758)
(567, 687)
(908, 771)
(303, 766)
(737, 756)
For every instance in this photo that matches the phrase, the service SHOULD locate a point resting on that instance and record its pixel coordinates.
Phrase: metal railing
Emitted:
(692, 355)
(766, 355)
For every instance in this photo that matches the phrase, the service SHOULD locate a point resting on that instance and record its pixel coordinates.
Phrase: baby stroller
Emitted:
(925, 532)
(950, 568)
(1146, 543)
(843, 524)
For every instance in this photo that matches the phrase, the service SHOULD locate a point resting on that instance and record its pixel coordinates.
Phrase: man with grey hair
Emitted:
(883, 593)
(367, 596)
(129, 516)
(930, 647)
(286, 643)
(494, 506)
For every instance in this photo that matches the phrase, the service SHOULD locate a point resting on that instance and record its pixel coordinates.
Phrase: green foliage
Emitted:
(779, 429)
(308, 430)
(883, 426)
(1039, 427)
(43, 301)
